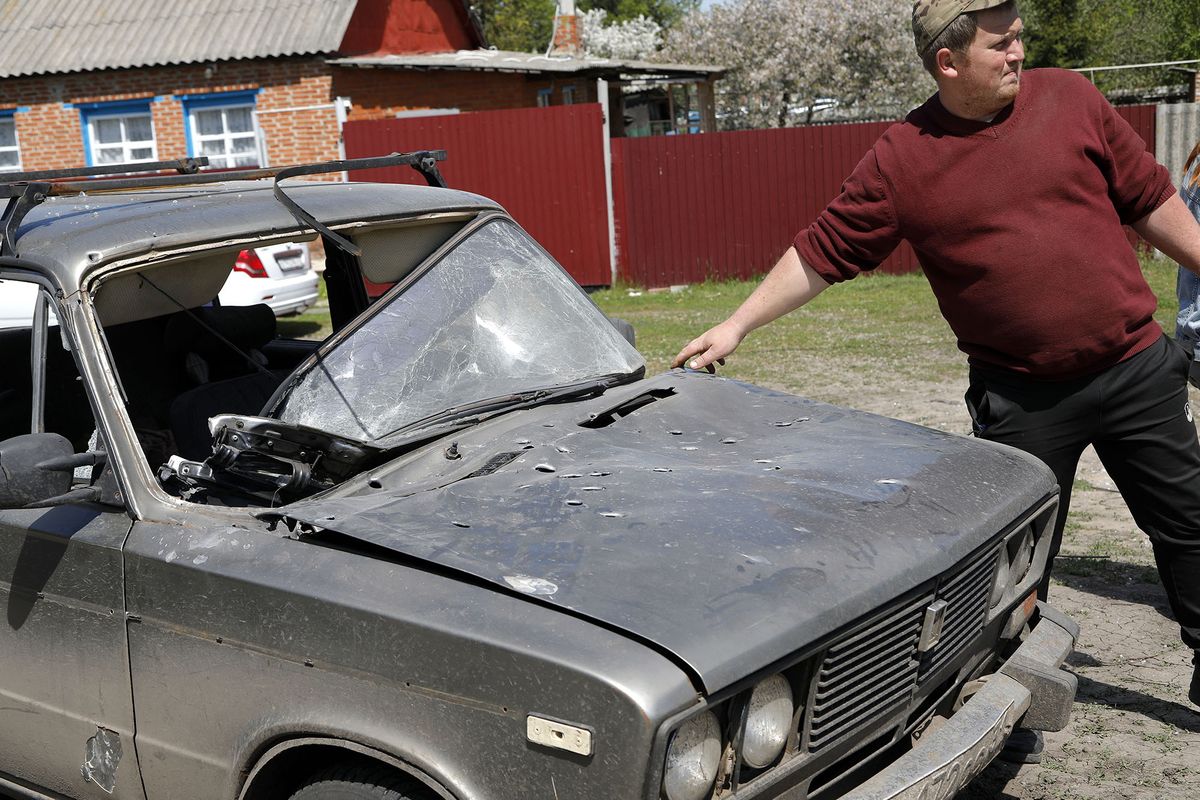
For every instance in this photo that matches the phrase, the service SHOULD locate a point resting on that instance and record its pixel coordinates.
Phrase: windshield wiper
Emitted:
(478, 410)
(272, 460)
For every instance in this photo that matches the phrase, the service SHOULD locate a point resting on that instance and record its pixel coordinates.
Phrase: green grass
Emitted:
(877, 325)
(878, 322)
(312, 324)
(888, 320)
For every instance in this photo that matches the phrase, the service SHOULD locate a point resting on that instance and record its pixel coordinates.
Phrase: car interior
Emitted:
(182, 358)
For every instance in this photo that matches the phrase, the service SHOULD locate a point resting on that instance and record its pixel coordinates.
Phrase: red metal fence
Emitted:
(544, 165)
(1142, 118)
(686, 208)
(726, 205)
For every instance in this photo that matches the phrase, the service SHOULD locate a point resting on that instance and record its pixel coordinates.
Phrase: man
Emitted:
(1012, 188)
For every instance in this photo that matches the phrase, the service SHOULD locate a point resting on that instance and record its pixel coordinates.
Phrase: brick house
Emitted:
(260, 82)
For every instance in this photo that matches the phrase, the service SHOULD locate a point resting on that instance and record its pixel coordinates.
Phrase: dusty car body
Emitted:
(464, 545)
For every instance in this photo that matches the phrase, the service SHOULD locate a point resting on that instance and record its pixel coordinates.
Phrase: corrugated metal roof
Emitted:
(505, 61)
(54, 36)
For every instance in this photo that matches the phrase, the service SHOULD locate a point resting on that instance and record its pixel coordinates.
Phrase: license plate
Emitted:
(947, 782)
(947, 759)
(290, 262)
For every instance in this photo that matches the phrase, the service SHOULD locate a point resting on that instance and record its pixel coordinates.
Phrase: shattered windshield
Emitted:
(496, 316)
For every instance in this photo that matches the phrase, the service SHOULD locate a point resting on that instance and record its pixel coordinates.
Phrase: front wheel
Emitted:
(361, 782)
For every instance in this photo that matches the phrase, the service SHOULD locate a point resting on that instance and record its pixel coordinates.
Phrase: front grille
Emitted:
(877, 667)
(860, 692)
(866, 673)
(966, 594)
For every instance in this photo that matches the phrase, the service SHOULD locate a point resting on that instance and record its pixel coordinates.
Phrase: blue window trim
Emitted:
(107, 109)
(11, 114)
(200, 100)
(195, 102)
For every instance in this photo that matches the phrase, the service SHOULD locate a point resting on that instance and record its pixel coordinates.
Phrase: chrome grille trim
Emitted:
(870, 671)
(967, 593)
(846, 694)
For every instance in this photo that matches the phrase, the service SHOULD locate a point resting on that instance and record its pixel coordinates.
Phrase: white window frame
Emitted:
(226, 160)
(568, 95)
(126, 145)
(544, 97)
(15, 148)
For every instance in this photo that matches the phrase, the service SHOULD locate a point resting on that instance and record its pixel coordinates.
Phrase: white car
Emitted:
(16, 304)
(280, 275)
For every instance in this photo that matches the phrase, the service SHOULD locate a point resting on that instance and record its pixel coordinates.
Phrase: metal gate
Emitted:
(544, 165)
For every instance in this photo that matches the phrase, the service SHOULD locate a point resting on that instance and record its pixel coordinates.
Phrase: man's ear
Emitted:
(948, 62)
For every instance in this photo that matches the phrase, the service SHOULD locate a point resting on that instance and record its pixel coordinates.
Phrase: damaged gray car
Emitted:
(464, 547)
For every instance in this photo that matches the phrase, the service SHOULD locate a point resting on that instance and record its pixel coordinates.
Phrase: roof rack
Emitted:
(10, 181)
(25, 190)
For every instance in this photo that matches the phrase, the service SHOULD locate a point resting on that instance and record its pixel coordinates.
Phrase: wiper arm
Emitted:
(478, 410)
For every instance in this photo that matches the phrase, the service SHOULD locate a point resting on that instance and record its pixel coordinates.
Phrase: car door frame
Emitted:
(67, 720)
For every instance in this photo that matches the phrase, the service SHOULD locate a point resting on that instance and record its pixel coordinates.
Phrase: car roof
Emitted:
(72, 236)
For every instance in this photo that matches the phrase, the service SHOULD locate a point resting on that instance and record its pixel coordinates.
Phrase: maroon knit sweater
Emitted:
(1016, 222)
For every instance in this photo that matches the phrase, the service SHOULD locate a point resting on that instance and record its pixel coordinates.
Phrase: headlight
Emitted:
(1020, 550)
(1003, 581)
(768, 722)
(693, 758)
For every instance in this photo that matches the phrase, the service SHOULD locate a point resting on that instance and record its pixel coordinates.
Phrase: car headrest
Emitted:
(247, 327)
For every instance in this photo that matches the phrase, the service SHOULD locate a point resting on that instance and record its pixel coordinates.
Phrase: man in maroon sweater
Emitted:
(1012, 188)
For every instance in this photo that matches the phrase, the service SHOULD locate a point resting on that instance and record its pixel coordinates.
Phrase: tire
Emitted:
(361, 782)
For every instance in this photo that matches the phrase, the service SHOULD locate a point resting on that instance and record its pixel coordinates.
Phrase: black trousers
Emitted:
(1136, 415)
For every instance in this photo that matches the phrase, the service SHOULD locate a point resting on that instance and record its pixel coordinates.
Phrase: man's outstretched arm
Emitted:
(790, 284)
(1172, 229)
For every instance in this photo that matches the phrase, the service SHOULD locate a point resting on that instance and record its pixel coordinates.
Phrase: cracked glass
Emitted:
(496, 316)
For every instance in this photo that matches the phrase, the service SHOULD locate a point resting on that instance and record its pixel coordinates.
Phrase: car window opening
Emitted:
(493, 326)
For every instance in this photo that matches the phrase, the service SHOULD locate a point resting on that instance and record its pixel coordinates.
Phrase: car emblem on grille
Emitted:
(931, 631)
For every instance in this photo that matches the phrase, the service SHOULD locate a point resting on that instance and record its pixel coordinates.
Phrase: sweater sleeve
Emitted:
(1137, 184)
(856, 231)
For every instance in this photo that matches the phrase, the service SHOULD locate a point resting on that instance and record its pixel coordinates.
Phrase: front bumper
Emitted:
(1030, 688)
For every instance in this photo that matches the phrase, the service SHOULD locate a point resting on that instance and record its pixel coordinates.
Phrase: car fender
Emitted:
(274, 764)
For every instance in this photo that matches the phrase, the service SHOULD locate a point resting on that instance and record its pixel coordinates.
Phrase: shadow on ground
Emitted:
(1131, 701)
(1113, 579)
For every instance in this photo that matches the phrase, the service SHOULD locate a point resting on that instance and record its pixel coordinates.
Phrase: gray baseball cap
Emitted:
(931, 17)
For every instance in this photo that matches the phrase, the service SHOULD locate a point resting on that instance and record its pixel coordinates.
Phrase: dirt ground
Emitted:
(1133, 734)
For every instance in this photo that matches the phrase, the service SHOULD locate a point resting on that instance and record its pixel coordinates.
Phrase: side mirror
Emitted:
(22, 481)
(625, 329)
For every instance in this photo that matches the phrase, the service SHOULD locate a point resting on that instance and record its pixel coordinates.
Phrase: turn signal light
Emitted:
(1020, 615)
(249, 263)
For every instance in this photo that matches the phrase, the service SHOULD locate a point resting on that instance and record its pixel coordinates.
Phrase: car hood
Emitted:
(725, 523)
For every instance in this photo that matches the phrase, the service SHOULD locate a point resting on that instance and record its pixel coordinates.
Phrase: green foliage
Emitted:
(664, 12)
(527, 25)
(1055, 34)
(1095, 33)
(520, 25)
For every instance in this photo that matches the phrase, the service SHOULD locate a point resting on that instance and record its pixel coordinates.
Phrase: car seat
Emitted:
(220, 349)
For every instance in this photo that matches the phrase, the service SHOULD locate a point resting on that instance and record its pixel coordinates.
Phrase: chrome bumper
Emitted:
(1029, 688)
